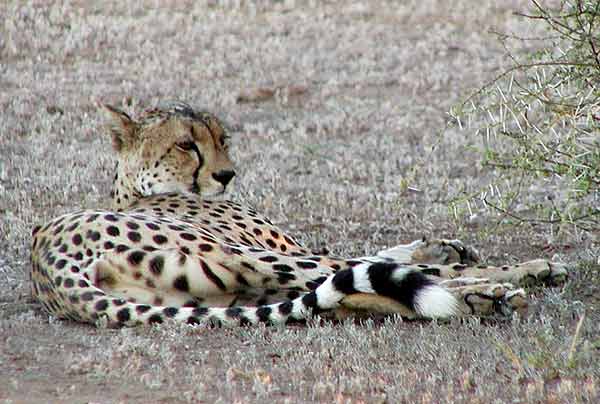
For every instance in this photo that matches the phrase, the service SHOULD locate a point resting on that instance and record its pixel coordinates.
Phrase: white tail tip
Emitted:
(433, 301)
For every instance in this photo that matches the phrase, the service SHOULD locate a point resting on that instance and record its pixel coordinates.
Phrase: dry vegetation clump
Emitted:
(538, 122)
(338, 116)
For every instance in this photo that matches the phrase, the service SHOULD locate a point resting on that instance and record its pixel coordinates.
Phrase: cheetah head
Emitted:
(168, 149)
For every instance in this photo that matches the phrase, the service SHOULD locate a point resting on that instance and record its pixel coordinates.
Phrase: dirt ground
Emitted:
(338, 116)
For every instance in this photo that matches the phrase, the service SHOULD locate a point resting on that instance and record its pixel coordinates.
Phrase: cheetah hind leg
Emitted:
(115, 280)
(169, 277)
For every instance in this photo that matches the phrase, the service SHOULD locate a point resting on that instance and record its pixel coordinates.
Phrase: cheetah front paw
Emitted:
(539, 271)
(536, 272)
(441, 252)
(479, 297)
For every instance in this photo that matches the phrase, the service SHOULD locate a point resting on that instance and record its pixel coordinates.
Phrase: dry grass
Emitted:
(358, 161)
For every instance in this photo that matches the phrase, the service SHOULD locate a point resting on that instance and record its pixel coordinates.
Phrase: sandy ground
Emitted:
(347, 147)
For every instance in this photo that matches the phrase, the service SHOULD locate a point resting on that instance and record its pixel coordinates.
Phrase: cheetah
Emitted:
(171, 249)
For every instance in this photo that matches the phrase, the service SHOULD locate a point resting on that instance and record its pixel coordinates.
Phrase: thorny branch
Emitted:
(559, 85)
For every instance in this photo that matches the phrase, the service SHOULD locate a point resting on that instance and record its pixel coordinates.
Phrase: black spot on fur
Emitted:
(123, 315)
(136, 257)
(111, 218)
(77, 239)
(181, 283)
(112, 231)
(306, 264)
(142, 308)
(283, 268)
(101, 305)
(285, 308)
(171, 311)
(93, 235)
(121, 248)
(87, 296)
(58, 281)
(159, 239)
(284, 277)
(156, 265)
(263, 314)
(155, 319)
(205, 247)
(187, 236)
(268, 258)
(289, 240)
(182, 259)
(134, 236)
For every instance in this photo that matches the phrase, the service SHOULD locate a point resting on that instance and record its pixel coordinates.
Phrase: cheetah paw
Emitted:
(432, 252)
(526, 274)
(539, 271)
(479, 297)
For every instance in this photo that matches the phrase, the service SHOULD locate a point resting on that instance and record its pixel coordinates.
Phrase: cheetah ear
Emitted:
(122, 128)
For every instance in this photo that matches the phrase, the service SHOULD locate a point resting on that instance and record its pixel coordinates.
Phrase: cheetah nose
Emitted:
(224, 176)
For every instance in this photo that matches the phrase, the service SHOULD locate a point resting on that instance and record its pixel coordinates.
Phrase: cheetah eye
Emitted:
(186, 145)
